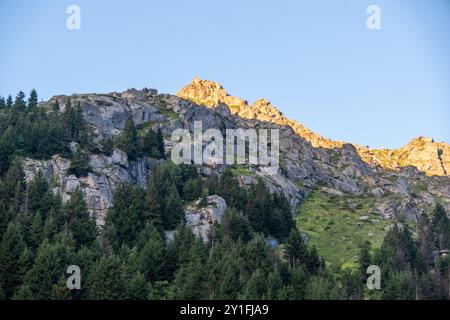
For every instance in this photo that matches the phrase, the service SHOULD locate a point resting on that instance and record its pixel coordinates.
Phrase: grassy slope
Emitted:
(336, 230)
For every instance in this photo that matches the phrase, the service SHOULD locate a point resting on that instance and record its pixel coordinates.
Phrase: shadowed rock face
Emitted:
(99, 185)
(432, 158)
(307, 161)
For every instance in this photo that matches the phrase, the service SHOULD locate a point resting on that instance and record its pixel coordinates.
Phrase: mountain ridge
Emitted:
(430, 157)
(332, 184)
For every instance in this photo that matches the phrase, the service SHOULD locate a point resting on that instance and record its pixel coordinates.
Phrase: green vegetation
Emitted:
(420, 186)
(337, 226)
(149, 144)
(162, 106)
(241, 170)
(168, 113)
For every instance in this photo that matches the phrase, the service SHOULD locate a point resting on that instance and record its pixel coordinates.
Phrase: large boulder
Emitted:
(201, 219)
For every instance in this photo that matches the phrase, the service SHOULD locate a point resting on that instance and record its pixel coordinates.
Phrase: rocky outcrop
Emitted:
(107, 113)
(201, 219)
(404, 210)
(98, 186)
(425, 154)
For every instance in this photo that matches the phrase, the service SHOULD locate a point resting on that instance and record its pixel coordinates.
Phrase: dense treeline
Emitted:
(26, 130)
(132, 257)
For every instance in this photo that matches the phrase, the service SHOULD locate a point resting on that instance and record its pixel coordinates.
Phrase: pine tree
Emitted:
(236, 226)
(365, 258)
(128, 140)
(11, 248)
(426, 246)
(191, 278)
(256, 286)
(7, 149)
(397, 251)
(235, 196)
(80, 222)
(25, 262)
(2, 103)
(152, 255)
(50, 264)
(137, 288)
(280, 220)
(19, 103)
(151, 144)
(295, 250)
(9, 102)
(192, 189)
(154, 205)
(124, 219)
(106, 280)
(73, 123)
(440, 226)
(255, 255)
(160, 144)
(36, 230)
(50, 228)
(38, 195)
(79, 164)
(60, 291)
(33, 99)
(173, 209)
(230, 284)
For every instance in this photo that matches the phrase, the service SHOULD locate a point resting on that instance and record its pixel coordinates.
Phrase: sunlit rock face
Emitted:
(430, 157)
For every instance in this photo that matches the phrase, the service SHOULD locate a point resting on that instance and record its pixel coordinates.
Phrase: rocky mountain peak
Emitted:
(210, 94)
(430, 157)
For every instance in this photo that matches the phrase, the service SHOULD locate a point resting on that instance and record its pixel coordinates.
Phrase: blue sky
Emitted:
(315, 60)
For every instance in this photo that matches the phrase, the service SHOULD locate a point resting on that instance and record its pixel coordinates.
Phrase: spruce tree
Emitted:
(2, 103)
(173, 209)
(106, 280)
(9, 102)
(19, 103)
(81, 224)
(124, 219)
(426, 245)
(152, 255)
(79, 164)
(236, 226)
(128, 140)
(7, 149)
(295, 250)
(154, 205)
(11, 248)
(36, 230)
(38, 195)
(441, 228)
(137, 288)
(51, 263)
(160, 144)
(33, 99)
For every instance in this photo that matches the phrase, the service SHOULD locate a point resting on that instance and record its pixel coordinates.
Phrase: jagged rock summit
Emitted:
(430, 157)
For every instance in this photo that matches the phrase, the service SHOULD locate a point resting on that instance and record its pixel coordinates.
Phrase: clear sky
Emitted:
(315, 60)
